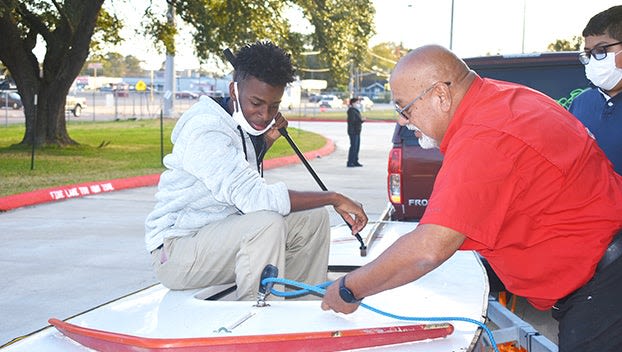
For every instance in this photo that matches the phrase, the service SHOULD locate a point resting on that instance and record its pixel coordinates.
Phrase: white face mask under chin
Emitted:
(604, 73)
(238, 116)
(425, 141)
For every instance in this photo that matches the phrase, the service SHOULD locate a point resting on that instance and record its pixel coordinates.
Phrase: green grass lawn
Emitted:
(329, 114)
(107, 150)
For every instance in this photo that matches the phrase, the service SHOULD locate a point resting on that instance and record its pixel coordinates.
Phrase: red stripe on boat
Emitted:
(107, 341)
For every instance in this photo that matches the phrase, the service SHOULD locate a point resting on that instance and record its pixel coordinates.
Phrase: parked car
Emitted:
(412, 170)
(10, 99)
(7, 84)
(211, 93)
(75, 105)
(315, 98)
(186, 94)
(119, 90)
(366, 103)
(331, 101)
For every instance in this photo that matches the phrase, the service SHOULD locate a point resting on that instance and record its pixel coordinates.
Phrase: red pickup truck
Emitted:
(412, 170)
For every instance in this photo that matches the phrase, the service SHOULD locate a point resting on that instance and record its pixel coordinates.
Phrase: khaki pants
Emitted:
(236, 250)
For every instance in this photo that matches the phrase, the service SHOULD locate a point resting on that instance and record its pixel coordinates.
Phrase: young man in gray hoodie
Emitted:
(217, 221)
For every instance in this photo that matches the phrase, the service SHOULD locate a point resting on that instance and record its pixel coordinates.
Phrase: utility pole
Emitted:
(523, 41)
(94, 66)
(352, 82)
(169, 80)
(451, 27)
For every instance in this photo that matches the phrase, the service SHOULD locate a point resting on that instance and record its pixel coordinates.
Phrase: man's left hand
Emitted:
(332, 300)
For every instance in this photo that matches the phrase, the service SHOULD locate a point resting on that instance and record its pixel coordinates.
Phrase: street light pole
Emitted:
(169, 82)
(523, 41)
(451, 27)
(95, 84)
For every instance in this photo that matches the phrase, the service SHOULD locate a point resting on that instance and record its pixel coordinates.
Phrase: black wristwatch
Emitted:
(345, 293)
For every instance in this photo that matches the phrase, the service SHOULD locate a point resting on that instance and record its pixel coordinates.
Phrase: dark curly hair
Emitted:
(264, 61)
(608, 22)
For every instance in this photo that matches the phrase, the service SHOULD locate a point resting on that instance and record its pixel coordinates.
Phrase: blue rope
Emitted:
(320, 289)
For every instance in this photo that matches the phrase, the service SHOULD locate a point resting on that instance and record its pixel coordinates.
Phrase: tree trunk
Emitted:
(44, 88)
(45, 120)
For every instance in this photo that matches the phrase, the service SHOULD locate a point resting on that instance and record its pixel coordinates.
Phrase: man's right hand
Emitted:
(351, 211)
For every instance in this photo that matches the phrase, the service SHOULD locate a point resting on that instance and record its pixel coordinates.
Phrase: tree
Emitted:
(311, 67)
(132, 66)
(341, 28)
(67, 29)
(113, 64)
(342, 32)
(383, 57)
(566, 45)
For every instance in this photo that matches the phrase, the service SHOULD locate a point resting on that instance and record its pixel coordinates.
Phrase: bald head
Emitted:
(428, 64)
(427, 85)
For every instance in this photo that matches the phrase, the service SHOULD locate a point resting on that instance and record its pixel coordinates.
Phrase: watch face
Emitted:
(345, 293)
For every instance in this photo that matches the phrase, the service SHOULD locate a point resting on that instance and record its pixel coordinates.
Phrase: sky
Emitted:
(480, 27)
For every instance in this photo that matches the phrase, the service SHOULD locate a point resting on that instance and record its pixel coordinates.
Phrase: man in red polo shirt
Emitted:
(523, 183)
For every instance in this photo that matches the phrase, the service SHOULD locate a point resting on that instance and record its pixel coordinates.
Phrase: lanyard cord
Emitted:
(261, 154)
(259, 164)
(243, 142)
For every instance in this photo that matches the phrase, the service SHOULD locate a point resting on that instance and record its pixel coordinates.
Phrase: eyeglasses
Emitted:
(599, 53)
(402, 111)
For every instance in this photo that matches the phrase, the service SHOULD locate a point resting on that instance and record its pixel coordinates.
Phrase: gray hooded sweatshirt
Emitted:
(208, 177)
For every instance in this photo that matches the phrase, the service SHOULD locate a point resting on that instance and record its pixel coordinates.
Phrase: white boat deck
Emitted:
(458, 288)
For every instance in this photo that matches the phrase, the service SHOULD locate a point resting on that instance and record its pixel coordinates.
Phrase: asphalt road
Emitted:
(59, 259)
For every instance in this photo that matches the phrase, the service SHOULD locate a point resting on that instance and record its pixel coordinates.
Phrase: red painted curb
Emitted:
(91, 188)
(75, 191)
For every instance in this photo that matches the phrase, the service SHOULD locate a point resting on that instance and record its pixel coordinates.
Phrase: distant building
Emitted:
(373, 90)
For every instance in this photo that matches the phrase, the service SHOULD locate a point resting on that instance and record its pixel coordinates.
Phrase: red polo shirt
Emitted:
(529, 188)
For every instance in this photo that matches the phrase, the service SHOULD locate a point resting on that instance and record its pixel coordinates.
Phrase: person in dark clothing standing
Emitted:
(355, 122)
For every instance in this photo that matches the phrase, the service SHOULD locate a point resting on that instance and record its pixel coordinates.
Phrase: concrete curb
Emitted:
(92, 188)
